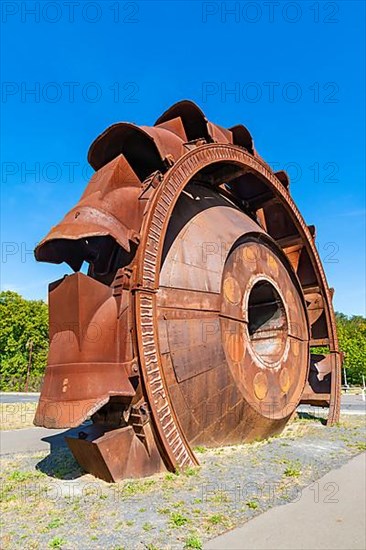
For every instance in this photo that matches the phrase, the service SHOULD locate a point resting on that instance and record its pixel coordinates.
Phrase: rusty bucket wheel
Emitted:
(236, 162)
(204, 302)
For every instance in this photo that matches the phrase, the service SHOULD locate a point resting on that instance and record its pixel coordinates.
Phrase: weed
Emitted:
(177, 519)
(252, 504)
(57, 542)
(20, 476)
(170, 476)
(189, 471)
(216, 519)
(193, 542)
(200, 449)
(178, 504)
(137, 486)
(220, 497)
(293, 470)
(56, 522)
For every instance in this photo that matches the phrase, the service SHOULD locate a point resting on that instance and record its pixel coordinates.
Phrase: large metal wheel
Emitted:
(202, 262)
(229, 356)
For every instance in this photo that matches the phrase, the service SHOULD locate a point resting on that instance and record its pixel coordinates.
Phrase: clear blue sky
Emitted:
(297, 70)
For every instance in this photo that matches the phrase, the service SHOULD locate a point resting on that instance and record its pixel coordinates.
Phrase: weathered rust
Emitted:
(203, 296)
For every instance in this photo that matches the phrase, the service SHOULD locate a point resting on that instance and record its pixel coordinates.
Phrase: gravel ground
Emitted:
(48, 502)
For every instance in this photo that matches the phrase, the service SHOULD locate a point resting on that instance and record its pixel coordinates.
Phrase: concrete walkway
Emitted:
(335, 520)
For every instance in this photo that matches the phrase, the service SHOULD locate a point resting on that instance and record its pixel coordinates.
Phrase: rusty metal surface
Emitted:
(203, 295)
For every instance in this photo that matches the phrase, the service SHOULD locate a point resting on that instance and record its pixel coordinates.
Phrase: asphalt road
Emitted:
(349, 402)
(28, 440)
(353, 403)
(18, 397)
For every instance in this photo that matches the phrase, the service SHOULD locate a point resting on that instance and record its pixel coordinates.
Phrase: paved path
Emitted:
(14, 397)
(33, 439)
(350, 404)
(306, 524)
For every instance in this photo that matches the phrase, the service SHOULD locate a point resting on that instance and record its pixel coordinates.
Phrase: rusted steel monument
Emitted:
(203, 296)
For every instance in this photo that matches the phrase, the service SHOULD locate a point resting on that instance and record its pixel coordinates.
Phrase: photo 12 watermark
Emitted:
(69, 92)
(272, 493)
(62, 12)
(249, 12)
(271, 92)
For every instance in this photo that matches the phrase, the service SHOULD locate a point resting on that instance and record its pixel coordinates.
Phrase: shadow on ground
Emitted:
(310, 416)
(60, 463)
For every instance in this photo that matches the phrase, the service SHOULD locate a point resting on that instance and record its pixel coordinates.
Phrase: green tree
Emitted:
(352, 341)
(23, 323)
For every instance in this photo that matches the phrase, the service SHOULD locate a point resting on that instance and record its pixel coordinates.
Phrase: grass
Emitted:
(130, 522)
(14, 416)
(170, 476)
(360, 445)
(189, 471)
(220, 497)
(200, 449)
(178, 504)
(135, 487)
(252, 504)
(293, 470)
(193, 541)
(18, 476)
(57, 542)
(217, 519)
(54, 523)
(177, 519)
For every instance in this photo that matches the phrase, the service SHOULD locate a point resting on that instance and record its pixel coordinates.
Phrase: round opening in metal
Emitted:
(267, 322)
